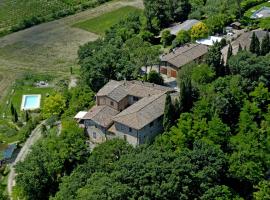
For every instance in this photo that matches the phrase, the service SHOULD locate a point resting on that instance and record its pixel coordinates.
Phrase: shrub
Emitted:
(155, 77)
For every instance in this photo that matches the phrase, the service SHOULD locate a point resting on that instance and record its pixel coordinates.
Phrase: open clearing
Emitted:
(49, 48)
(101, 23)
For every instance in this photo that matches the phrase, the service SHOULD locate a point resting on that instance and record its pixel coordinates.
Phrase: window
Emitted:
(125, 137)
(112, 104)
(94, 135)
(151, 124)
(130, 129)
(135, 99)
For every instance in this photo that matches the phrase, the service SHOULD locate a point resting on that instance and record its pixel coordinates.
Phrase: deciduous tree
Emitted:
(54, 105)
(198, 31)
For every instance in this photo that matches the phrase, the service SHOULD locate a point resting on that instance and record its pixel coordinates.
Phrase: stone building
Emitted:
(131, 110)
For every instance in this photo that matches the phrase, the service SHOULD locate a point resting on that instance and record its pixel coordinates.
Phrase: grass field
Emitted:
(101, 23)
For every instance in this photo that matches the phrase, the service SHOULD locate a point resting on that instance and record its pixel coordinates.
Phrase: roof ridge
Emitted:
(161, 94)
(188, 45)
(150, 85)
(115, 87)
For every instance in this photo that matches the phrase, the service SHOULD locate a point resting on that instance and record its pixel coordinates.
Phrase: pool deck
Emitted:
(33, 108)
(263, 12)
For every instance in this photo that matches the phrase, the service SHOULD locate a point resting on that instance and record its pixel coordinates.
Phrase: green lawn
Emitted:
(250, 11)
(101, 23)
(8, 131)
(23, 90)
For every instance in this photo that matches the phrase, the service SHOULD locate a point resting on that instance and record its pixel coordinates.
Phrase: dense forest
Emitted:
(217, 136)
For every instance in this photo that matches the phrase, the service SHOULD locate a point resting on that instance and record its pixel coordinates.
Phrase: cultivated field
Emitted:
(101, 23)
(13, 12)
(49, 48)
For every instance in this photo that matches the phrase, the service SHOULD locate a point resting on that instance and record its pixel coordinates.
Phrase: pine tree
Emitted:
(168, 113)
(255, 44)
(265, 46)
(12, 109)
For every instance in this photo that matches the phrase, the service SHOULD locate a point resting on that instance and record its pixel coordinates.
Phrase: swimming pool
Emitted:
(31, 102)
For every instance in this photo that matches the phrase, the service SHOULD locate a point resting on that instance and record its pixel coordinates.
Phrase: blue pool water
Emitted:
(31, 102)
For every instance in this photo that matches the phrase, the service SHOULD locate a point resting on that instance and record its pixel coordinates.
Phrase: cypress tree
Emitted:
(186, 95)
(27, 117)
(255, 44)
(43, 129)
(168, 113)
(240, 48)
(230, 52)
(15, 117)
(214, 59)
(265, 46)
(12, 109)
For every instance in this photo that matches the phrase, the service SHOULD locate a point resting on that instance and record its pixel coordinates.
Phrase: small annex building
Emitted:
(131, 110)
(173, 61)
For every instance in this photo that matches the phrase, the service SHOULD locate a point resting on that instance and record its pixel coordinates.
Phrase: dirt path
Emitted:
(50, 47)
(35, 135)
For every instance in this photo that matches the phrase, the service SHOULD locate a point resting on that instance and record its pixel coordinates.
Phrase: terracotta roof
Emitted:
(244, 40)
(142, 112)
(114, 90)
(102, 115)
(185, 54)
(117, 90)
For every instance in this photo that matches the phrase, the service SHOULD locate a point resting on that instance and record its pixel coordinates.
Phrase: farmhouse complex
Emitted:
(131, 110)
